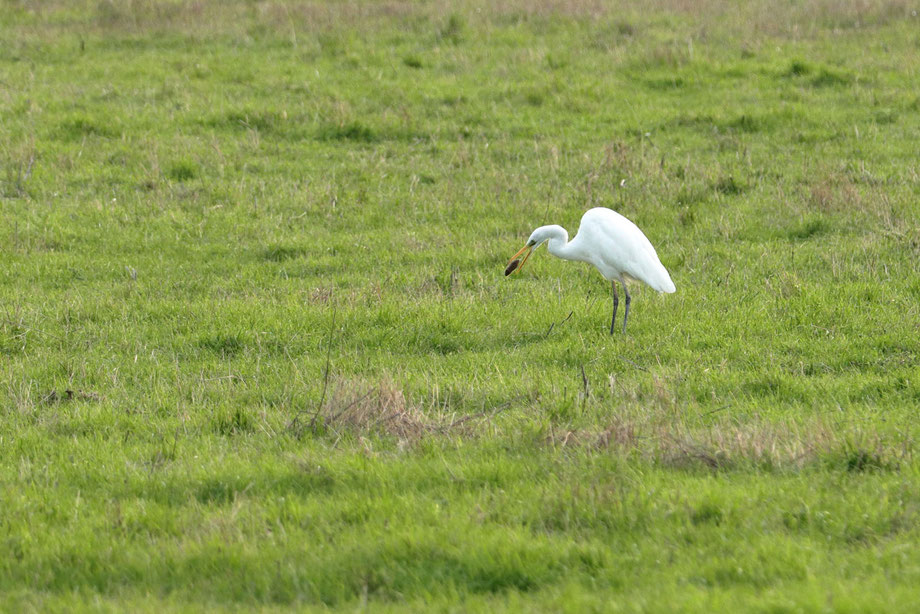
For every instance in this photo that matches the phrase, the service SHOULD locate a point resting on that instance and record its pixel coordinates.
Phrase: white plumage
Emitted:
(614, 245)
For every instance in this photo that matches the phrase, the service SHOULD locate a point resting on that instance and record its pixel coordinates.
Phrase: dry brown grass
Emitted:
(381, 409)
(782, 445)
(378, 409)
(855, 194)
(835, 193)
(785, 445)
(655, 426)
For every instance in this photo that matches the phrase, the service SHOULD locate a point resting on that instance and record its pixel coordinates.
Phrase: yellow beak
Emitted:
(512, 267)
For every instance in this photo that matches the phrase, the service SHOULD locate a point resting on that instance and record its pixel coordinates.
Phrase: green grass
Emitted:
(257, 349)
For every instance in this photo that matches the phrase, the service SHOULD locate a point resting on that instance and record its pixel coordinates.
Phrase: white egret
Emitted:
(614, 245)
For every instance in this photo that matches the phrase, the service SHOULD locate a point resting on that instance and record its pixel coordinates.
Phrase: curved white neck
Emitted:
(561, 248)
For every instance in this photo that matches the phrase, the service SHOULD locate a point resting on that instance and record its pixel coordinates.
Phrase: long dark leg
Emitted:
(616, 302)
(626, 317)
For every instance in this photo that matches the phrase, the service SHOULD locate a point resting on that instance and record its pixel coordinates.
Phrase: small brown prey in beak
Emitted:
(515, 264)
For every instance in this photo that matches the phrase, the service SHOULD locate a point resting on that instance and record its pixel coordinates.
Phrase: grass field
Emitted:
(257, 350)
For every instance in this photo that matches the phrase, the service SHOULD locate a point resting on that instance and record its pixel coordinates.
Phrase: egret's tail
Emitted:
(668, 287)
(661, 281)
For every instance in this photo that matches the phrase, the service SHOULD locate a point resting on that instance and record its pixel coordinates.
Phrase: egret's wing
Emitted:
(623, 247)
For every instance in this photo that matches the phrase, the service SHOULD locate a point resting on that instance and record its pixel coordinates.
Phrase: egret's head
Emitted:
(537, 238)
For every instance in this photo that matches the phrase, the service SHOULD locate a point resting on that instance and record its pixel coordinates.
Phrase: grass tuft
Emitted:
(80, 126)
(808, 229)
(830, 78)
(282, 253)
(798, 68)
(233, 422)
(729, 186)
(182, 170)
(453, 29)
(413, 61)
(223, 344)
(351, 131)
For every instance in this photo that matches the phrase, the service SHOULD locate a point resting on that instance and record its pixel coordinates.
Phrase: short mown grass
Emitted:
(257, 350)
